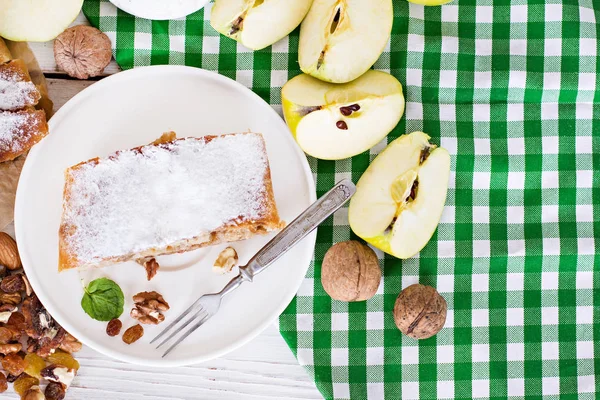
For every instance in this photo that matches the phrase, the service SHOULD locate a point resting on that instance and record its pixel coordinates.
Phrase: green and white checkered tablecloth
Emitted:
(512, 90)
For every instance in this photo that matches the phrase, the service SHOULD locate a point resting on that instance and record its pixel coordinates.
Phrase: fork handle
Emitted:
(299, 228)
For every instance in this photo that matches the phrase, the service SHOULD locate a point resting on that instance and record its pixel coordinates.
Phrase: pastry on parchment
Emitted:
(21, 125)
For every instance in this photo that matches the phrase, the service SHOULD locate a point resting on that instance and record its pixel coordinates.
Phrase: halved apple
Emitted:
(258, 23)
(36, 20)
(341, 39)
(400, 198)
(332, 122)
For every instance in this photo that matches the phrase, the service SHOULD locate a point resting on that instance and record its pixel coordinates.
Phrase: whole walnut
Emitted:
(350, 271)
(420, 311)
(82, 51)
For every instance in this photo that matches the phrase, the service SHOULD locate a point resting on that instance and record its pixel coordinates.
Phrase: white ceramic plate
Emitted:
(133, 108)
(160, 9)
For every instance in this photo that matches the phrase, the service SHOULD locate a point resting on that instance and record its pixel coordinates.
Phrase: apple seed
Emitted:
(346, 111)
(236, 26)
(336, 20)
(342, 125)
(354, 107)
(425, 153)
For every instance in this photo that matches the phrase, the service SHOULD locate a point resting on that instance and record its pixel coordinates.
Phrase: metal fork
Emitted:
(207, 305)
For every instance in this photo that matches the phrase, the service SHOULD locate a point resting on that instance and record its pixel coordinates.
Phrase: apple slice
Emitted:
(341, 39)
(258, 23)
(400, 198)
(332, 122)
(36, 20)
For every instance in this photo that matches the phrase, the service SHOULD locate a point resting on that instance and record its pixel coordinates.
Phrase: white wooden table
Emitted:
(265, 368)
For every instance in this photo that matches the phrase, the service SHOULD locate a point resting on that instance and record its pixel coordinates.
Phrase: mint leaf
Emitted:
(103, 300)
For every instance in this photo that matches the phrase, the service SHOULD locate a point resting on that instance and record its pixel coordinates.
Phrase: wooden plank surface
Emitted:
(265, 368)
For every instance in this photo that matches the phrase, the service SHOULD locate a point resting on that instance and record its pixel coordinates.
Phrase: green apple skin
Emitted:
(264, 22)
(313, 108)
(373, 209)
(430, 2)
(36, 21)
(341, 40)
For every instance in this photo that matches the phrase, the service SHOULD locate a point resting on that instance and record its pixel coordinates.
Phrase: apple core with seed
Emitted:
(333, 122)
(400, 198)
(341, 39)
(258, 23)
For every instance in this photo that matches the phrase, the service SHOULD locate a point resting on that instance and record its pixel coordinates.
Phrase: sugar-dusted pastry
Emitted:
(19, 131)
(164, 198)
(16, 89)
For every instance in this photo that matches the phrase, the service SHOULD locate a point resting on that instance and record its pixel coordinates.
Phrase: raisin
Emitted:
(24, 383)
(54, 391)
(34, 364)
(114, 327)
(64, 359)
(11, 378)
(12, 284)
(3, 383)
(133, 334)
(13, 364)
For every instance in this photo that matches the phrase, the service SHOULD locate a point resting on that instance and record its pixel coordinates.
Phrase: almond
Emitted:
(9, 254)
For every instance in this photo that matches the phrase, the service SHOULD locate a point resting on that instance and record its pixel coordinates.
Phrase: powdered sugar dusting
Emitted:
(136, 200)
(16, 93)
(16, 130)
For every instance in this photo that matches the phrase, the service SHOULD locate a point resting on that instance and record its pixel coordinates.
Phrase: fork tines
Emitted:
(198, 313)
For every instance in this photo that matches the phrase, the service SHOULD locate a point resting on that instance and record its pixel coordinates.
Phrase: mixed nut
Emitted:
(33, 345)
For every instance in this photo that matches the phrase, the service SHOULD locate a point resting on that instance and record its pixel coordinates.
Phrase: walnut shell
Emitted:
(350, 271)
(420, 311)
(82, 51)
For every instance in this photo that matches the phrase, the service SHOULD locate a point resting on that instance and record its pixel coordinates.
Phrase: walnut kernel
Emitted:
(3, 383)
(10, 348)
(148, 308)
(227, 259)
(420, 311)
(151, 266)
(350, 271)
(13, 363)
(12, 284)
(70, 344)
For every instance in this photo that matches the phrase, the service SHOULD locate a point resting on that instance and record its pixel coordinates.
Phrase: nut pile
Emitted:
(149, 307)
(33, 346)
